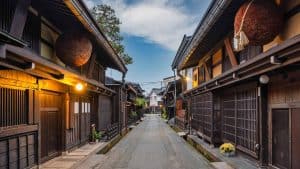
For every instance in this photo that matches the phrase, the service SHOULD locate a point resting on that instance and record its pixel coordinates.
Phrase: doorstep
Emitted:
(217, 159)
(72, 159)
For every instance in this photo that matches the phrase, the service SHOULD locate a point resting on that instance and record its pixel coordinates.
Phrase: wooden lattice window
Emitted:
(6, 14)
(240, 118)
(202, 107)
(13, 107)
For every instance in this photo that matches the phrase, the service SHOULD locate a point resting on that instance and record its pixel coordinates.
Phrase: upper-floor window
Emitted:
(48, 38)
(195, 77)
(201, 74)
(217, 63)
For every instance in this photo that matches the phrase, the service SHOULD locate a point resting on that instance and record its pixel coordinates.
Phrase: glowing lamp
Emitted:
(79, 87)
(264, 79)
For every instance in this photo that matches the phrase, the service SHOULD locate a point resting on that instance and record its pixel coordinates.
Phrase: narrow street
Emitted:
(151, 145)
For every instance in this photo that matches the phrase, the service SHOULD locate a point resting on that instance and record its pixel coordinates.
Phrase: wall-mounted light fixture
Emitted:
(264, 79)
(235, 76)
(275, 61)
(79, 86)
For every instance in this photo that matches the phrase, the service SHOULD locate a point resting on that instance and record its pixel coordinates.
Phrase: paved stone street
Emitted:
(151, 145)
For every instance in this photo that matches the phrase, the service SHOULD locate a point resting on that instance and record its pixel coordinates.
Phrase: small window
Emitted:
(82, 107)
(195, 77)
(217, 63)
(48, 38)
(201, 73)
(76, 107)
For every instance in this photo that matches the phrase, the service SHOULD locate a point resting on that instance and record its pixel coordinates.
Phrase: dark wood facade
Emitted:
(41, 112)
(247, 97)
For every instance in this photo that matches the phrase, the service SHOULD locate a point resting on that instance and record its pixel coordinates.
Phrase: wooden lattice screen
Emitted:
(13, 107)
(202, 113)
(240, 119)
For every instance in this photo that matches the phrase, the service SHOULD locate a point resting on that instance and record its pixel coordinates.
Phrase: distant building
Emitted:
(155, 98)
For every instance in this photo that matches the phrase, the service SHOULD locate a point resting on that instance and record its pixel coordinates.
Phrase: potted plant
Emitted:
(95, 135)
(227, 149)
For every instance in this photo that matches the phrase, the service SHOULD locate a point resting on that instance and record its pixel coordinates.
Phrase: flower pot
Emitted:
(229, 154)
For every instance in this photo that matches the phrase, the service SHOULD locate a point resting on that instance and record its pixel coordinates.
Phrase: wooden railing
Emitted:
(113, 130)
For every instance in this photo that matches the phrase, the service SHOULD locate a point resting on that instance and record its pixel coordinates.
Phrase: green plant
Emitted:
(109, 23)
(133, 114)
(96, 135)
(164, 113)
(140, 102)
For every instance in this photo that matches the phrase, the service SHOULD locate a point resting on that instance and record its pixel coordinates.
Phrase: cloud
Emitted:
(89, 3)
(163, 22)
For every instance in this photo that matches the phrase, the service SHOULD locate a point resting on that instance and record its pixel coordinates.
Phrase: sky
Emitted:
(152, 31)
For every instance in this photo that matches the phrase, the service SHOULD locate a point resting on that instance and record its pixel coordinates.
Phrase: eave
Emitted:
(288, 52)
(215, 25)
(81, 12)
(52, 71)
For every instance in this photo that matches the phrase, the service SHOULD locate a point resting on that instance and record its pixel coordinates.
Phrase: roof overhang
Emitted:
(220, 15)
(81, 12)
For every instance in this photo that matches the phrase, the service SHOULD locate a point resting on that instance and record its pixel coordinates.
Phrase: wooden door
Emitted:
(85, 119)
(280, 138)
(295, 138)
(50, 106)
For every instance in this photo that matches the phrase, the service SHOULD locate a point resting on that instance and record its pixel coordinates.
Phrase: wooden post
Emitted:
(30, 106)
(19, 18)
(206, 71)
(91, 65)
(3, 51)
(263, 125)
(230, 52)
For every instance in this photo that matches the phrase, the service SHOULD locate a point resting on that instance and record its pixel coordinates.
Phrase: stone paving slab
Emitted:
(237, 161)
(73, 158)
(221, 165)
(150, 145)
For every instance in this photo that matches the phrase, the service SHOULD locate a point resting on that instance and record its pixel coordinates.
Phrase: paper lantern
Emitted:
(73, 48)
(257, 22)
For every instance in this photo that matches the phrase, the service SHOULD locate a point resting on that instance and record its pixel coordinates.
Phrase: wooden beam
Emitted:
(29, 66)
(230, 52)
(91, 65)
(3, 51)
(19, 18)
(206, 71)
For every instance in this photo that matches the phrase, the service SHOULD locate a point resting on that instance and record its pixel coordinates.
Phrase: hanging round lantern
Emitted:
(73, 48)
(257, 22)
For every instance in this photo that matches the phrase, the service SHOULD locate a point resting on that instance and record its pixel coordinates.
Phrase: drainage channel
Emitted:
(113, 142)
(215, 162)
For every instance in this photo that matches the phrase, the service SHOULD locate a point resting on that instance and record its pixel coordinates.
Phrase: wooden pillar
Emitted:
(2, 51)
(91, 65)
(30, 106)
(19, 18)
(263, 125)
(230, 52)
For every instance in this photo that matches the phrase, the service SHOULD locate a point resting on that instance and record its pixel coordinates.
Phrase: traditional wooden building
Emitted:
(245, 60)
(170, 99)
(119, 102)
(133, 91)
(53, 58)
